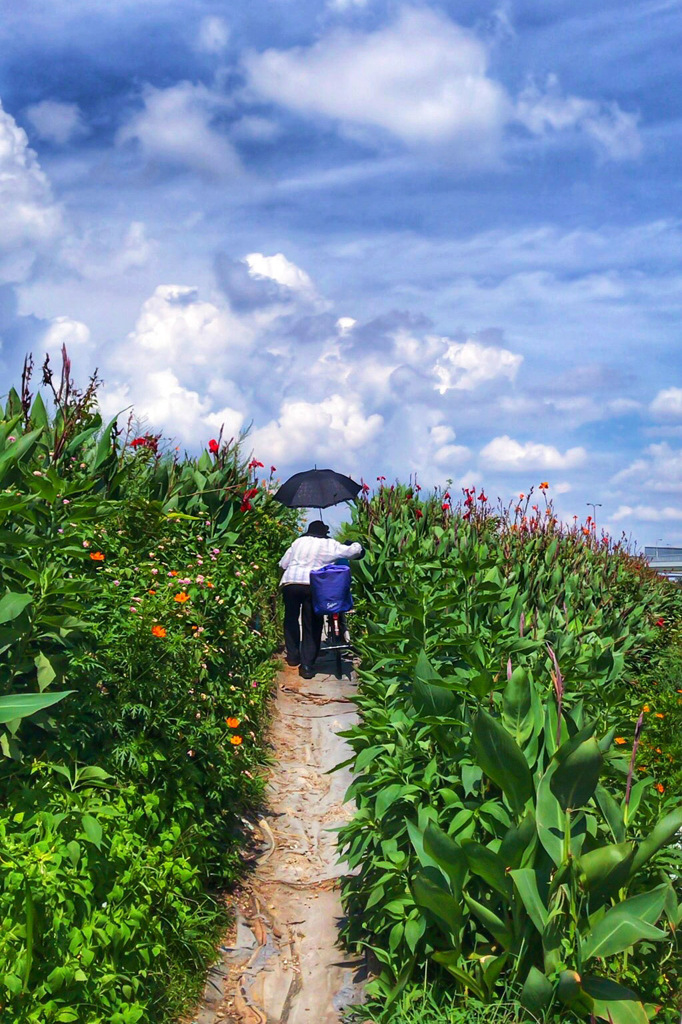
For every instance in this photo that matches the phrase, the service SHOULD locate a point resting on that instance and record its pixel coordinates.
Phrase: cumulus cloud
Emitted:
(337, 425)
(422, 78)
(31, 220)
(466, 365)
(667, 405)
(505, 453)
(65, 331)
(613, 130)
(55, 121)
(278, 268)
(176, 127)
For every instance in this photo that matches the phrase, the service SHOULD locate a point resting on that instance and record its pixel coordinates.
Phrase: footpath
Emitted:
(283, 964)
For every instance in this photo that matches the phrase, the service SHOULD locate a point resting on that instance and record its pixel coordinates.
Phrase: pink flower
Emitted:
(155, 572)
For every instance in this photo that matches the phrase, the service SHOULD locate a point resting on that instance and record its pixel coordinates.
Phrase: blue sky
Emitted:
(392, 237)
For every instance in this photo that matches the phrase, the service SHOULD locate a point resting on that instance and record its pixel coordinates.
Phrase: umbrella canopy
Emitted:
(317, 488)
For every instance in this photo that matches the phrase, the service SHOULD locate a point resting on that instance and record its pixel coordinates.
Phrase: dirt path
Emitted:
(283, 965)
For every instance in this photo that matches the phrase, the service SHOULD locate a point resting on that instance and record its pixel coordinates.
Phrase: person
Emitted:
(311, 551)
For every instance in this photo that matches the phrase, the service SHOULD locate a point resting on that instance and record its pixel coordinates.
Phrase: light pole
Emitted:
(594, 505)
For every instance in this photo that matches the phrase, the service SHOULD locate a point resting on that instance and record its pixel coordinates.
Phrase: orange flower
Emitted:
(173, 572)
(658, 750)
(620, 740)
(211, 585)
(232, 722)
(657, 714)
(544, 485)
(158, 631)
(646, 708)
(151, 591)
(181, 597)
(236, 740)
(660, 787)
(97, 556)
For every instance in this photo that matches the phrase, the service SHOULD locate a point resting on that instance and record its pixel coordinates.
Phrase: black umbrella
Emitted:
(317, 488)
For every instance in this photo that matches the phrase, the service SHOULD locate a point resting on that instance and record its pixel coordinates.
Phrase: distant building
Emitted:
(667, 561)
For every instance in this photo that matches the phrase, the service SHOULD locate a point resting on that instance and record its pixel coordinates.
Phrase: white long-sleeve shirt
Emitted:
(308, 553)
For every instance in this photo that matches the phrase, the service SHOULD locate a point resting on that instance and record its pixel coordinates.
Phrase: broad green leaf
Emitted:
(46, 673)
(104, 445)
(537, 991)
(447, 854)
(550, 819)
(12, 605)
(517, 705)
(502, 760)
(93, 830)
(663, 832)
(451, 960)
(625, 924)
(611, 810)
(577, 772)
(21, 705)
(488, 865)
(526, 882)
(607, 868)
(428, 894)
(613, 1002)
(429, 698)
(519, 841)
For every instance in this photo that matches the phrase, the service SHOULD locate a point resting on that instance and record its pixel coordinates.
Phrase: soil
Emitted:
(281, 962)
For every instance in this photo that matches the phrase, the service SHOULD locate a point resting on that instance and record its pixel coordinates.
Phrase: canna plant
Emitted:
(566, 887)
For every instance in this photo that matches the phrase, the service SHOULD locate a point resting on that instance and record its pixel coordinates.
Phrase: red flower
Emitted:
(245, 506)
(150, 441)
(365, 488)
(251, 493)
(254, 464)
(446, 496)
(273, 469)
(660, 622)
(213, 446)
(445, 507)
(467, 515)
(419, 514)
(482, 497)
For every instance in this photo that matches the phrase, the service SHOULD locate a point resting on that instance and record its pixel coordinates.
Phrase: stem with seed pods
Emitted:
(558, 681)
(638, 732)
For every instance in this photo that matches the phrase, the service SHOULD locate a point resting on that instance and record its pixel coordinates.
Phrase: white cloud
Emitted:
(65, 331)
(30, 220)
(278, 268)
(423, 79)
(667, 405)
(658, 470)
(505, 453)
(177, 127)
(55, 121)
(647, 513)
(334, 427)
(466, 365)
(213, 35)
(613, 130)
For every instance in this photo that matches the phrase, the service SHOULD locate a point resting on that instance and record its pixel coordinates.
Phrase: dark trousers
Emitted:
(298, 600)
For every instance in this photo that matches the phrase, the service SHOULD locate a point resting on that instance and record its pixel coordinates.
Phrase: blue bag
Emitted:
(330, 587)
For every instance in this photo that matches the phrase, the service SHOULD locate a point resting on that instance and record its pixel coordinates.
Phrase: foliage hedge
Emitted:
(136, 610)
(516, 767)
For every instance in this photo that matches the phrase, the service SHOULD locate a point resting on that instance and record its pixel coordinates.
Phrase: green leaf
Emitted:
(625, 924)
(451, 959)
(490, 920)
(550, 818)
(526, 882)
(12, 605)
(662, 833)
(607, 868)
(579, 763)
(502, 760)
(104, 445)
(613, 1002)
(447, 854)
(428, 894)
(489, 866)
(46, 673)
(537, 991)
(20, 705)
(517, 705)
(610, 808)
(519, 841)
(93, 830)
(429, 698)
